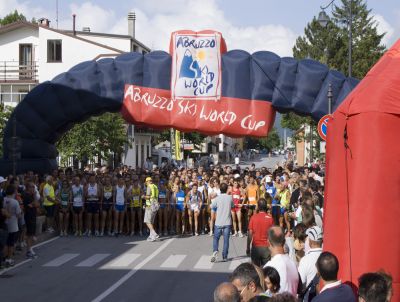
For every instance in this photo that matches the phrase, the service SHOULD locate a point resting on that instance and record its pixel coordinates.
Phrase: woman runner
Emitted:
(77, 205)
(236, 211)
(65, 198)
(106, 207)
(180, 208)
(163, 200)
(194, 202)
(119, 206)
(92, 197)
(136, 194)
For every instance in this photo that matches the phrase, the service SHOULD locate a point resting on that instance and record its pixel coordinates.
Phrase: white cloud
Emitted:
(384, 27)
(153, 27)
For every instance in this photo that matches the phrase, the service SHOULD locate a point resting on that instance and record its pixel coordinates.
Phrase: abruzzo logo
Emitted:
(196, 66)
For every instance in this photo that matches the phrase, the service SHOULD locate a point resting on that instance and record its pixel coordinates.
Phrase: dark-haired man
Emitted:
(281, 261)
(333, 290)
(247, 281)
(224, 204)
(373, 288)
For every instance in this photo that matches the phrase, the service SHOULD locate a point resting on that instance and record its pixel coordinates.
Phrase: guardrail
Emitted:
(11, 71)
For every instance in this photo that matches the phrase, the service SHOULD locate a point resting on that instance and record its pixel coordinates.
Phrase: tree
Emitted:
(330, 46)
(12, 17)
(4, 117)
(269, 142)
(99, 137)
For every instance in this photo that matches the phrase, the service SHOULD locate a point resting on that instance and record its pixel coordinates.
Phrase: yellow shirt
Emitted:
(48, 191)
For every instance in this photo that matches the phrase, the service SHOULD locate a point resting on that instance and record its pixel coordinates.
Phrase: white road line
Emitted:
(204, 262)
(173, 261)
(96, 258)
(15, 266)
(235, 263)
(132, 272)
(45, 242)
(61, 260)
(123, 261)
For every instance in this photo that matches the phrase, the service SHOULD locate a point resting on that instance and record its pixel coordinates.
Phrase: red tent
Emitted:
(363, 176)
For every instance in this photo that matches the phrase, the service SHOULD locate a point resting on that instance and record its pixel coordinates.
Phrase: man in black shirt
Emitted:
(30, 206)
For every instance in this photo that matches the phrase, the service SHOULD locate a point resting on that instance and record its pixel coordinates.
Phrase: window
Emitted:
(54, 51)
(135, 48)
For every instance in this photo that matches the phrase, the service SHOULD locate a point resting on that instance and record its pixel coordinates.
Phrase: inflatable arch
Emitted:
(94, 87)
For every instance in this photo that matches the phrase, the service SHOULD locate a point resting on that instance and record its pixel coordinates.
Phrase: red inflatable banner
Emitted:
(235, 117)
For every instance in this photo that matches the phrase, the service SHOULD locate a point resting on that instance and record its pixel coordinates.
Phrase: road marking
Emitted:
(173, 261)
(61, 260)
(96, 258)
(45, 242)
(235, 263)
(132, 272)
(204, 262)
(122, 261)
(15, 266)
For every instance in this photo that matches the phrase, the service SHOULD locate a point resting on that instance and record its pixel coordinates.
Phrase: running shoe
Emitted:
(151, 239)
(214, 257)
(241, 234)
(101, 234)
(9, 262)
(196, 234)
(76, 234)
(210, 234)
(96, 233)
(31, 255)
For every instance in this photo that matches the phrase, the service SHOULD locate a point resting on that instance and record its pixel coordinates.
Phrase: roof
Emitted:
(69, 33)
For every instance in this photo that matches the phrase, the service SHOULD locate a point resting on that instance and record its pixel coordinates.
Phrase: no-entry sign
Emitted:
(323, 126)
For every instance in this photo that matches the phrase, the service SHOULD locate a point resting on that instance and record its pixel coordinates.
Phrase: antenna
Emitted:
(57, 13)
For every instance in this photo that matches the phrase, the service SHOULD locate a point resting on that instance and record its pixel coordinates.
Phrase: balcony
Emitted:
(13, 72)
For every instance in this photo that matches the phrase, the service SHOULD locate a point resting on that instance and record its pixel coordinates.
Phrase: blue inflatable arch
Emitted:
(94, 87)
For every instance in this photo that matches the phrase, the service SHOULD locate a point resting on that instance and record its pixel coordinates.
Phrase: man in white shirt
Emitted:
(281, 262)
(307, 268)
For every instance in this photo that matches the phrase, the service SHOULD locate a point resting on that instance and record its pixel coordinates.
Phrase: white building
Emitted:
(33, 53)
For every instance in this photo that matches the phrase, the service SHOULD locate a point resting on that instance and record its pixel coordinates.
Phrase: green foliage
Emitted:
(330, 46)
(269, 142)
(4, 117)
(12, 17)
(97, 137)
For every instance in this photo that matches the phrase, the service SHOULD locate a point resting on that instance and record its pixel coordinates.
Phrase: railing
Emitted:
(12, 71)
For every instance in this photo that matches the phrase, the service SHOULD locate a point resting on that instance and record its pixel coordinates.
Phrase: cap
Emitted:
(199, 177)
(2, 179)
(268, 179)
(315, 233)
(148, 179)
(162, 182)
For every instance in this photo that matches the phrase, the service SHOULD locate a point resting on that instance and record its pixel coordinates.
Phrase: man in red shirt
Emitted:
(258, 235)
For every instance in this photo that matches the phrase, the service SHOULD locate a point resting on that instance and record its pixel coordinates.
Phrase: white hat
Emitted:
(268, 179)
(314, 233)
(2, 179)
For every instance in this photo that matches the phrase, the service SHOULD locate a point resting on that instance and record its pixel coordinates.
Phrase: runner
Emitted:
(163, 200)
(252, 194)
(236, 211)
(119, 206)
(106, 206)
(65, 198)
(202, 188)
(152, 207)
(194, 202)
(136, 210)
(213, 192)
(180, 208)
(77, 205)
(92, 197)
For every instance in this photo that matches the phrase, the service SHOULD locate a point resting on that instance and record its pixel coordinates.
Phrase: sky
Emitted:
(250, 25)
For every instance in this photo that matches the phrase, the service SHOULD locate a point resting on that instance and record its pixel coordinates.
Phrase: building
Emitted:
(33, 53)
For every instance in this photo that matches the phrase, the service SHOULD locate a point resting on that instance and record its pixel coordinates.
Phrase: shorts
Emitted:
(163, 205)
(213, 209)
(31, 228)
(236, 208)
(119, 207)
(194, 207)
(93, 208)
(149, 215)
(106, 207)
(180, 207)
(49, 211)
(283, 211)
(12, 238)
(77, 210)
(251, 207)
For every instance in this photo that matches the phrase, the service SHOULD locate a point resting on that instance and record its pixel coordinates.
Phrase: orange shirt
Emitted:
(252, 194)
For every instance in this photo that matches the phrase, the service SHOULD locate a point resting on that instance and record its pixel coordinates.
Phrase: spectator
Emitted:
(389, 281)
(333, 290)
(372, 288)
(3, 226)
(284, 297)
(12, 207)
(281, 261)
(223, 203)
(258, 234)
(271, 280)
(49, 201)
(307, 268)
(247, 281)
(226, 292)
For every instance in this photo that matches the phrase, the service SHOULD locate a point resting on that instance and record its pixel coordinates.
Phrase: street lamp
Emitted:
(323, 20)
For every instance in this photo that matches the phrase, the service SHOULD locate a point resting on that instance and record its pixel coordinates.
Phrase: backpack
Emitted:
(311, 290)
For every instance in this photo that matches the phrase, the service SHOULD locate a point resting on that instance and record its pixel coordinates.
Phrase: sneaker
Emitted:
(34, 238)
(89, 234)
(203, 233)
(196, 234)
(9, 262)
(214, 257)
(23, 244)
(96, 233)
(224, 259)
(235, 234)
(76, 234)
(151, 239)
(112, 234)
(240, 234)
(30, 255)
(50, 230)
(101, 234)
(210, 234)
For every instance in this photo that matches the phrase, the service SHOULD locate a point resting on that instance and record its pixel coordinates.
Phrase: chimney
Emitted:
(44, 22)
(73, 24)
(131, 24)
(86, 29)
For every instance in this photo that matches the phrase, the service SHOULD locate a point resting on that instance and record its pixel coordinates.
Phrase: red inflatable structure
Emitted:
(363, 176)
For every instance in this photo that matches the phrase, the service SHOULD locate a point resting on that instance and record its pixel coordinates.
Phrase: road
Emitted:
(262, 160)
(121, 269)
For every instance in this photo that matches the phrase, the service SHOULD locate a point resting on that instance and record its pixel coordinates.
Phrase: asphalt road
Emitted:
(121, 269)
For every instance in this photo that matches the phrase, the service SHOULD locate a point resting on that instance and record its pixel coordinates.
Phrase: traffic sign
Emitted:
(323, 126)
